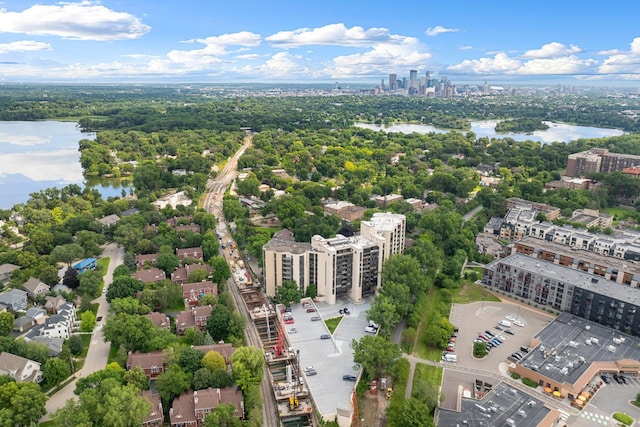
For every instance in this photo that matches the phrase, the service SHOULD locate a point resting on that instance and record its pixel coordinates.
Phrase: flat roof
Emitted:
(569, 344)
(502, 403)
(579, 278)
(581, 254)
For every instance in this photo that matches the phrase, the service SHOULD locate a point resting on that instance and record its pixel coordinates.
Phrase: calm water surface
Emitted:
(39, 155)
(557, 132)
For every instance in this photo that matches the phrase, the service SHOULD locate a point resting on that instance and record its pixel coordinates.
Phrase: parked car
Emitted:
(349, 378)
(309, 370)
(346, 311)
(498, 327)
(315, 318)
(508, 331)
(325, 337)
(605, 379)
(311, 310)
(617, 379)
(370, 330)
(489, 333)
(623, 378)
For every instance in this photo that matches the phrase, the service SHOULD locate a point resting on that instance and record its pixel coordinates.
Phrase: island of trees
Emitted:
(521, 125)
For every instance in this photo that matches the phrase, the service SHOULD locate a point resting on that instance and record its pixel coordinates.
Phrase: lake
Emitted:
(557, 132)
(39, 155)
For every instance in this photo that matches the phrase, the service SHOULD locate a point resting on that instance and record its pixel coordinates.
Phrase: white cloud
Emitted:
(23, 46)
(333, 35)
(249, 56)
(626, 64)
(552, 50)
(84, 20)
(434, 31)
(466, 47)
(43, 165)
(502, 63)
(23, 139)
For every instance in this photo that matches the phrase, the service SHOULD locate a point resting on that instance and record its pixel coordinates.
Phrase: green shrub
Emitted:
(479, 349)
(623, 418)
(515, 375)
(529, 382)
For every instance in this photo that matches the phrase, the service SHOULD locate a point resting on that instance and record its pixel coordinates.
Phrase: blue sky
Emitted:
(210, 41)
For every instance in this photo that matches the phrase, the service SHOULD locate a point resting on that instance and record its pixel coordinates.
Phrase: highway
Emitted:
(213, 204)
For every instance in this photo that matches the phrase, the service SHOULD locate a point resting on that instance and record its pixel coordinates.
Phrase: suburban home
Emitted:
(85, 265)
(53, 304)
(196, 317)
(150, 276)
(194, 228)
(194, 253)
(5, 272)
(159, 319)
(193, 292)
(22, 323)
(129, 212)
(53, 344)
(35, 288)
(225, 349)
(37, 314)
(109, 220)
(156, 416)
(191, 407)
(181, 274)
(146, 260)
(151, 363)
(14, 299)
(20, 369)
(60, 325)
(173, 222)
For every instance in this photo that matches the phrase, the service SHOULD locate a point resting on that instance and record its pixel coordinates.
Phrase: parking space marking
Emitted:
(488, 311)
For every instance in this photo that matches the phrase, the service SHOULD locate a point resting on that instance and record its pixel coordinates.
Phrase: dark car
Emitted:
(605, 379)
(349, 378)
(311, 310)
(346, 311)
(508, 331)
(617, 379)
(325, 337)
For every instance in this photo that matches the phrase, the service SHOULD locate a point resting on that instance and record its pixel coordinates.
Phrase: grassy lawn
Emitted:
(621, 213)
(332, 323)
(269, 230)
(433, 300)
(471, 292)
(426, 380)
(103, 264)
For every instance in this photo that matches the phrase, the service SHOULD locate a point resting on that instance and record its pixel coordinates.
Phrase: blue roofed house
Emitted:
(85, 264)
(35, 288)
(14, 299)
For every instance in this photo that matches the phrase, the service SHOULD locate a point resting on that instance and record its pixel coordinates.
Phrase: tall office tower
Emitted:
(413, 75)
(485, 88)
(427, 75)
(404, 83)
(392, 82)
(382, 84)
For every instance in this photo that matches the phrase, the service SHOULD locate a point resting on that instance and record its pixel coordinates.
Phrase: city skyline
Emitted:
(286, 41)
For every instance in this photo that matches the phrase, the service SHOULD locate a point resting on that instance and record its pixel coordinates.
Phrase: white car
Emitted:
(370, 329)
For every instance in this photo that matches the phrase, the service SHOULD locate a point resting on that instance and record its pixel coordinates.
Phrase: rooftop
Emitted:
(502, 404)
(569, 344)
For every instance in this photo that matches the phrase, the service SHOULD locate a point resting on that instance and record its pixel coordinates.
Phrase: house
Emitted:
(151, 363)
(53, 304)
(150, 276)
(156, 416)
(130, 212)
(85, 265)
(194, 228)
(5, 272)
(146, 260)
(196, 317)
(159, 319)
(176, 220)
(20, 369)
(225, 349)
(14, 299)
(53, 344)
(60, 325)
(109, 220)
(191, 407)
(181, 274)
(37, 314)
(35, 288)
(193, 292)
(194, 253)
(22, 323)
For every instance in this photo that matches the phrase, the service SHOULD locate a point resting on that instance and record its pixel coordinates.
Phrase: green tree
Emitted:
(168, 262)
(384, 313)
(213, 361)
(190, 359)
(123, 286)
(6, 323)
(414, 414)
(124, 407)
(172, 382)
(287, 293)
(221, 272)
(21, 404)
(75, 344)
(247, 364)
(219, 323)
(223, 415)
(137, 378)
(437, 332)
(312, 291)
(72, 414)
(67, 253)
(87, 321)
(55, 371)
(90, 283)
(128, 305)
(130, 331)
(377, 355)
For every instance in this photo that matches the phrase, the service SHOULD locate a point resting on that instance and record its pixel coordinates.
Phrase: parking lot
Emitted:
(610, 398)
(476, 318)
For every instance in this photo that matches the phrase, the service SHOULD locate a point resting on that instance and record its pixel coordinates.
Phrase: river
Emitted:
(43, 154)
(557, 132)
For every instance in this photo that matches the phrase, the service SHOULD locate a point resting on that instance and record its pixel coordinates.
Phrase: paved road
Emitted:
(473, 212)
(98, 353)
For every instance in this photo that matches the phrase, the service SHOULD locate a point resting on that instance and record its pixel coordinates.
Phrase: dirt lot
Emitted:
(372, 411)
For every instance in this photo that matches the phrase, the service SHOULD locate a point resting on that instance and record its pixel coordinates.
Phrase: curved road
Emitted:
(98, 352)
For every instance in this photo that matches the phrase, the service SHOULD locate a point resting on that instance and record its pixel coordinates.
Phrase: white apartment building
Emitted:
(338, 266)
